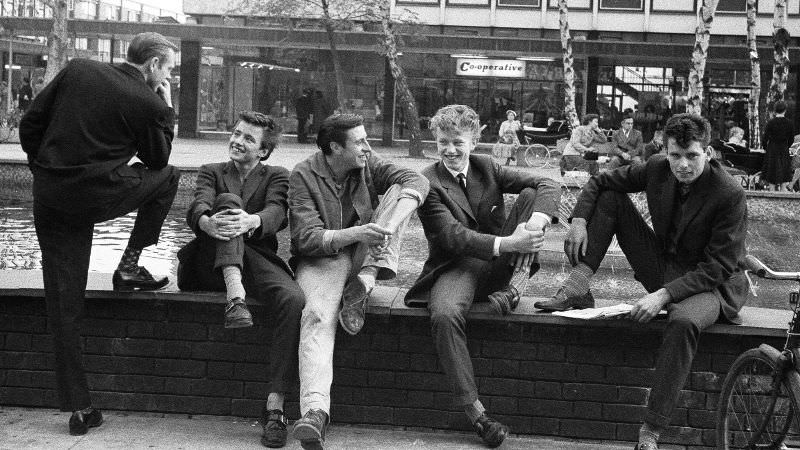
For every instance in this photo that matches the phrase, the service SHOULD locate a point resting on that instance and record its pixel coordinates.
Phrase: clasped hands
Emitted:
(228, 224)
(525, 242)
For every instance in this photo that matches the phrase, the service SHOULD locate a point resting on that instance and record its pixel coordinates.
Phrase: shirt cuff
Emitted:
(496, 250)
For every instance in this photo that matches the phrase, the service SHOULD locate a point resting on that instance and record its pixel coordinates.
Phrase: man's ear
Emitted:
(336, 147)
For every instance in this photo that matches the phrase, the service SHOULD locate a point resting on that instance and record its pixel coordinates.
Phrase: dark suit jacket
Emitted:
(632, 144)
(710, 237)
(263, 193)
(84, 127)
(456, 226)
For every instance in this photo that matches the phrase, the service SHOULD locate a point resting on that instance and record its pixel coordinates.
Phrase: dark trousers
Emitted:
(267, 282)
(452, 296)
(576, 162)
(301, 129)
(65, 239)
(616, 214)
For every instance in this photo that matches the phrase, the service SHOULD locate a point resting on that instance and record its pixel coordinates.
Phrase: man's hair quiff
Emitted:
(685, 128)
(334, 129)
(144, 46)
(272, 130)
(458, 118)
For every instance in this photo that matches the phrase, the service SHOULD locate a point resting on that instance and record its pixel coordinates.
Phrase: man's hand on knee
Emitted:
(650, 305)
(576, 241)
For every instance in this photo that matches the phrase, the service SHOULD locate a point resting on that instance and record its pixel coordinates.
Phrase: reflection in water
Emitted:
(19, 248)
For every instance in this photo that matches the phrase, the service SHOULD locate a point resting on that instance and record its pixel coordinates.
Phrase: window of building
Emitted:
(623, 5)
(732, 6)
(517, 3)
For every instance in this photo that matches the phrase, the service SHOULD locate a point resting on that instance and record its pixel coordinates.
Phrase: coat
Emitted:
(84, 127)
(456, 226)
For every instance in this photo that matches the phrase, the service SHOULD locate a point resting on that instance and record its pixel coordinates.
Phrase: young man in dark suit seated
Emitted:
(239, 206)
(475, 250)
(690, 262)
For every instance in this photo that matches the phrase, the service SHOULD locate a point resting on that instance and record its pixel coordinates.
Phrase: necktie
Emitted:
(462, 181)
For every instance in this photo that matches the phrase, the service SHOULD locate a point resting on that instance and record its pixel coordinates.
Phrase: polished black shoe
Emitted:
(491, 431)
(274, 426)
(505, 300)
(354, 306)
(237, 315)
(310, 429)
(79, 423)
(138, 280)
(560, 302)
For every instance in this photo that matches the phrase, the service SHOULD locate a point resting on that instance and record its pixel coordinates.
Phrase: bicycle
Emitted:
(758, 404)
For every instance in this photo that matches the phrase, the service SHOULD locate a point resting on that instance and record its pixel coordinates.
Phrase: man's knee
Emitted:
(611, 200)
(226, 200)
(446, 316)
(527, 196)
(682, 327)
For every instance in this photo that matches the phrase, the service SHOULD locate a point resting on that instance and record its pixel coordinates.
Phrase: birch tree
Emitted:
(780, 41)
(755, 76)
(705, 19)
(58, 44)
(570, 111)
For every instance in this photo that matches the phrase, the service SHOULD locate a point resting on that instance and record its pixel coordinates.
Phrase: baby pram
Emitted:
(740, 162)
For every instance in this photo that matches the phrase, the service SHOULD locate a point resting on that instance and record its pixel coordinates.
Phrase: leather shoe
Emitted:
(140, 279)
(491, 431)
(505, 300)
(647, 446)
(310, 429)
(80, 422)
(561, 302)
(273, 424)
(354, 306)
(237, 315)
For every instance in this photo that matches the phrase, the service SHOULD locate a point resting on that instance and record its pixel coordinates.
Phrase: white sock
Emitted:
(233, 282)
(474, 411)
(367, 276)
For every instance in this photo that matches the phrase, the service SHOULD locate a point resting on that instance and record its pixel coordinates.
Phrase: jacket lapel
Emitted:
(454, 190)
(252, 182)
(697, 198)
(475, 186)
(231, 179)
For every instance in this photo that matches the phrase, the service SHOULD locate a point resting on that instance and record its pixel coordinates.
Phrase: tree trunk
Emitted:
(57, 41)
(337, 64)
(780, 41)
(570, 112)
(755, 76)
(406, 97)
(699, 56)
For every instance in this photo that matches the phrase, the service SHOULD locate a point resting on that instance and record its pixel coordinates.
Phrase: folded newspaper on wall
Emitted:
(606, 312)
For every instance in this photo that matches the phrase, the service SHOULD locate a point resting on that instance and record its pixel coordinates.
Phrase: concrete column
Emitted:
(387, 138)
(190, 88)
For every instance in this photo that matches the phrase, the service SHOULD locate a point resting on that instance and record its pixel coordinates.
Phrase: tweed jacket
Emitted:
(583, 138)
(710, 236)
(84, 127)
(263, 193)
(315, 207)
(456, 226)
(631, 144)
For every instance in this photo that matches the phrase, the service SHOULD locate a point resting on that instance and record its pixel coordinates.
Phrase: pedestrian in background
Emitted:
(778, 136)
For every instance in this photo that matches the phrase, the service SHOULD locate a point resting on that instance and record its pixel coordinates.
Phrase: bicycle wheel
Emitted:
(537, 155)
(751, 414)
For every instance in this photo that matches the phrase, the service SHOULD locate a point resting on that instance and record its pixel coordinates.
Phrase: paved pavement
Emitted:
(27, 428)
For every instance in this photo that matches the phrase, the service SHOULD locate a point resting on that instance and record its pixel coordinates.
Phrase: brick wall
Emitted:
(577, 382)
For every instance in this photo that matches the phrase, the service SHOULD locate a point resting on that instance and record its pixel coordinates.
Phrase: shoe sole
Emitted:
(348, 330)
(304, 432)
(239, 324)
(125, 287)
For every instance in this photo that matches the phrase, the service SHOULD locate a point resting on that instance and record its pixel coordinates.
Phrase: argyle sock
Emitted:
(130, 259)
(578, 280)
(649, 434)
(233, 282)
(474, 410)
